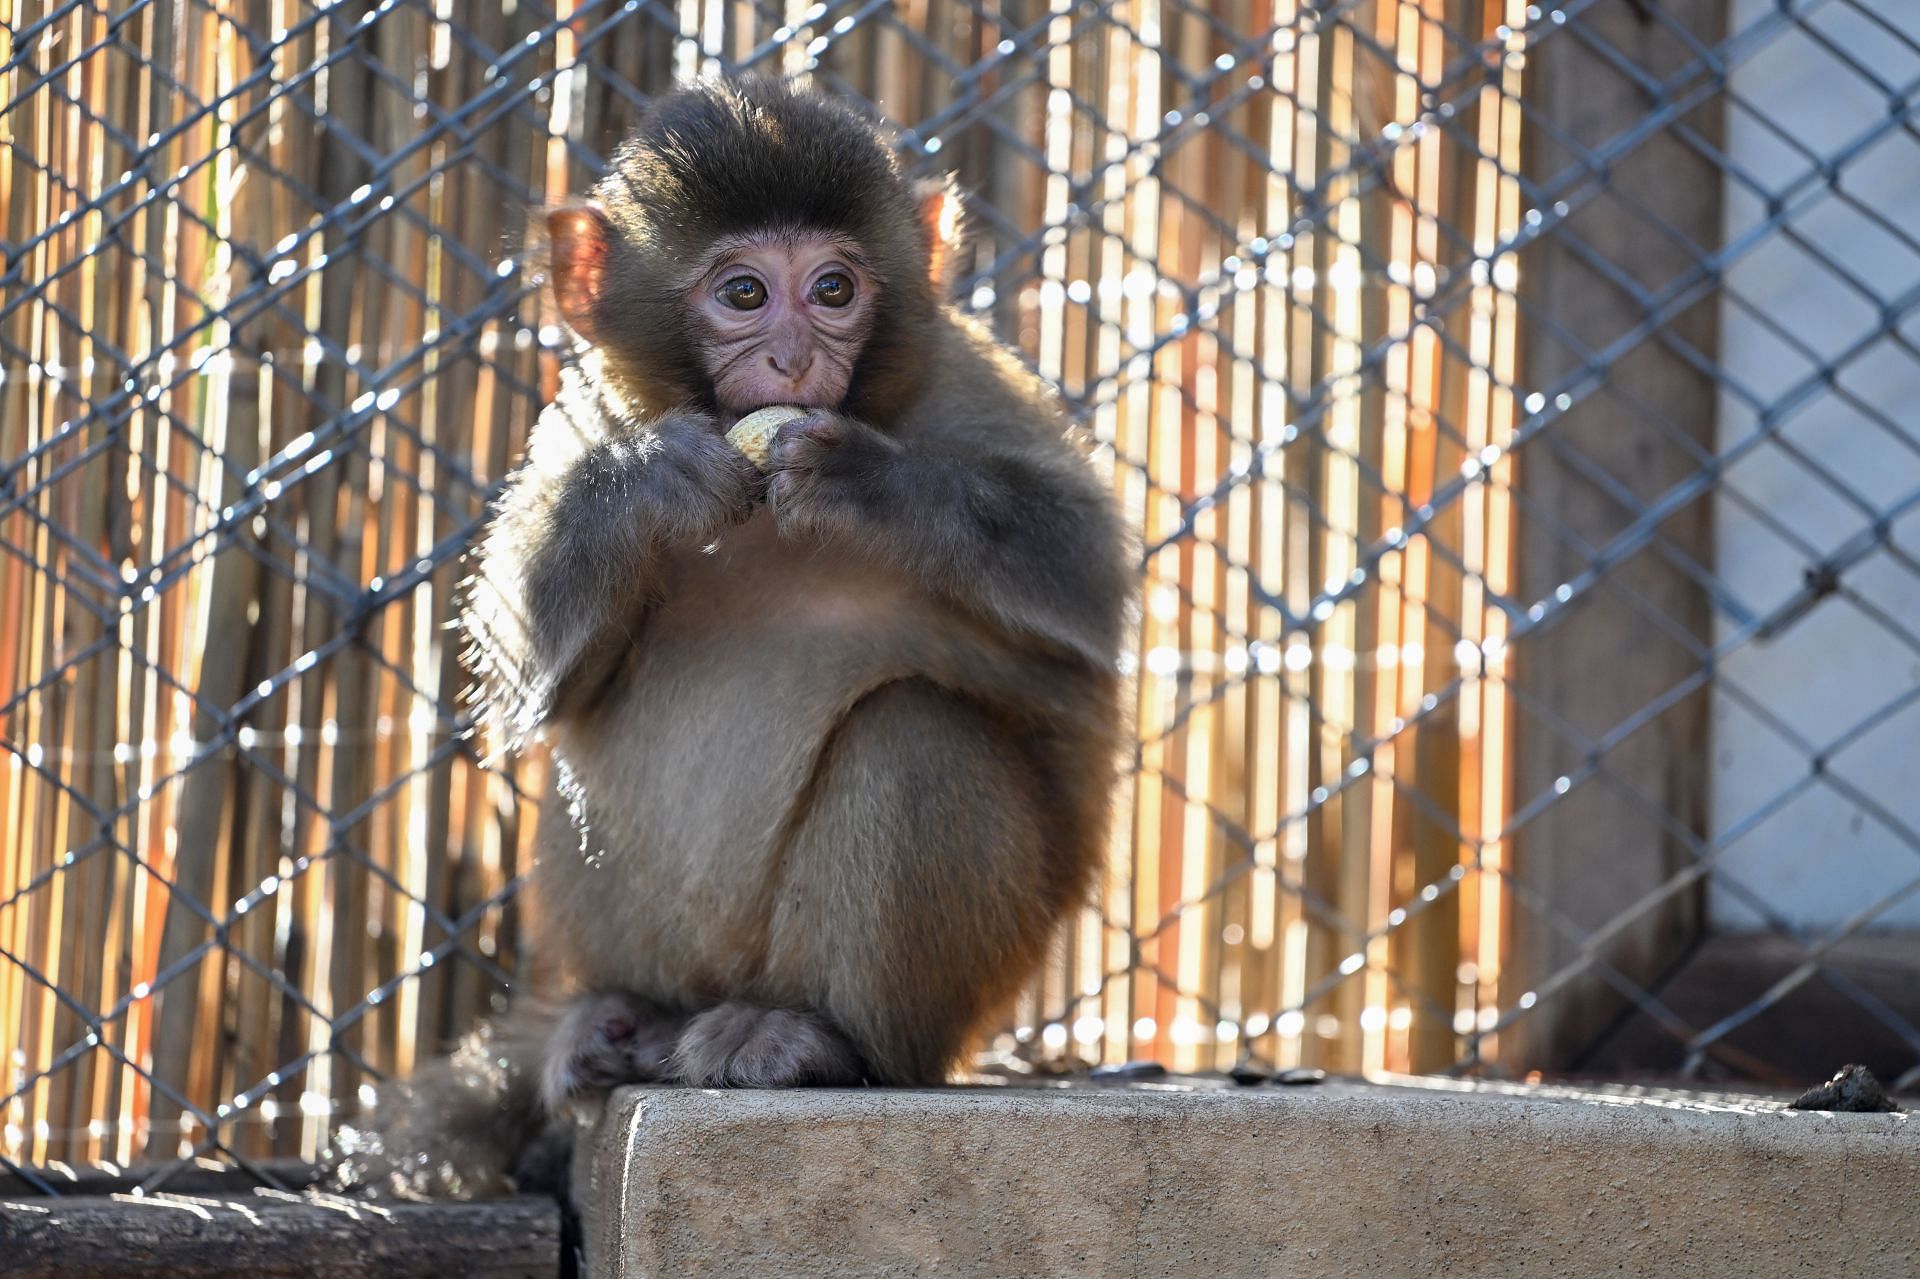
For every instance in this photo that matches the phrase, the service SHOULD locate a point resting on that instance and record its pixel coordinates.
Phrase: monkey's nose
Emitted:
(792, 365)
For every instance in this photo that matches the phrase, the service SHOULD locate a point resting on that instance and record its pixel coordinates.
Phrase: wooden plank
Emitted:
(1590, 856)
(271, 1234)
(200, 1176)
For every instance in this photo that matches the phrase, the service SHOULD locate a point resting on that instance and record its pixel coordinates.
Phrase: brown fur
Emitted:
(833, 748)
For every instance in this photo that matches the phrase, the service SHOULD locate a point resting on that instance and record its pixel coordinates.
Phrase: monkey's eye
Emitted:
(833, 289)
(744, 293)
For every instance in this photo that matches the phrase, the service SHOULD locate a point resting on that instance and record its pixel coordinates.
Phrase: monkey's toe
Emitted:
(741, 1046)
(604, 1041)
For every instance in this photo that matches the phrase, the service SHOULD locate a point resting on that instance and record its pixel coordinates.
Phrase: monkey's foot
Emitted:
(740, 1046)
(605, 1040)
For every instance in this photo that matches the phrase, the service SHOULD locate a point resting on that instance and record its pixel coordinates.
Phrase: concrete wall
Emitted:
(1821, 857)
(1336, 1180)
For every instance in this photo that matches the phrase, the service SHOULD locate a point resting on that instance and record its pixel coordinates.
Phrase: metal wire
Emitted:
(269, 348)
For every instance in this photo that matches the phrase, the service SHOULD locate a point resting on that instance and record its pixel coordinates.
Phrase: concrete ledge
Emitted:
(1341, 1179)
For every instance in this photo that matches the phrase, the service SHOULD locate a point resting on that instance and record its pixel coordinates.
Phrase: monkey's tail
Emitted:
(466, 1126)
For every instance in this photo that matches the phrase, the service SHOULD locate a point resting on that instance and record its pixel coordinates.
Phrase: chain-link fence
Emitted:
(1515, 402)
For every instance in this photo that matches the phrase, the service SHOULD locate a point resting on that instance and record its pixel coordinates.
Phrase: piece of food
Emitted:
(753, 434)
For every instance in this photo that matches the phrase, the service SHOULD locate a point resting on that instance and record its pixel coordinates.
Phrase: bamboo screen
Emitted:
(266, 349)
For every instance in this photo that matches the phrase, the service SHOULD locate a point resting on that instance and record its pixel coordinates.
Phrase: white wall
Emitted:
(1820, 857)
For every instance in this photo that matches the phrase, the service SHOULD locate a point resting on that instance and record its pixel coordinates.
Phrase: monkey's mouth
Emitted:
(738, 401)
(730, 417)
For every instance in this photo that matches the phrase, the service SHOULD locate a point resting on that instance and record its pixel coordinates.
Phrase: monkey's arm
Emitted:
(575, 552)
(1023, 537)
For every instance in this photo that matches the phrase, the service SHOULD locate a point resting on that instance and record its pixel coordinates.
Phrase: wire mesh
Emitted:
(1513, 400)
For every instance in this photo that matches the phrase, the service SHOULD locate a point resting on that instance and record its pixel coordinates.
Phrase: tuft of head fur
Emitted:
(730, 158)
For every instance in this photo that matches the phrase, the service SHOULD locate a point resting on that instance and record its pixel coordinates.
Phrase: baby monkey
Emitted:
(832, 743)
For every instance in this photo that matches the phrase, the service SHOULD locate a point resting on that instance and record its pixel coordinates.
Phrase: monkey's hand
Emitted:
(1021, 536)
(670, 481)
(822, 466)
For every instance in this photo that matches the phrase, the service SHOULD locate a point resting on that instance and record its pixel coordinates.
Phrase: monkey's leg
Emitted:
(578, 549)
(918, 889)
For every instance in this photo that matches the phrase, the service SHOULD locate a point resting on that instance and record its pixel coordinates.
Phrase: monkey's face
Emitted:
(754, 244)
(784, 318)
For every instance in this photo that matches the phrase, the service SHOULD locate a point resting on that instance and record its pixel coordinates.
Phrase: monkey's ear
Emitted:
(940, 221)
(579, 238)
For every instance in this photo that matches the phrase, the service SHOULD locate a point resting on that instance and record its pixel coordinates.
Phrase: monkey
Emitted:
(832, 746)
